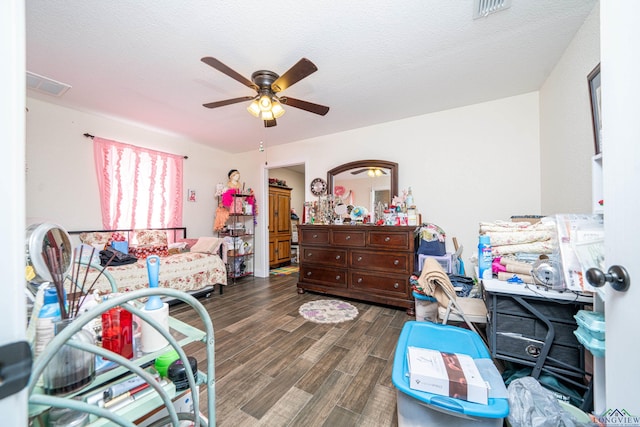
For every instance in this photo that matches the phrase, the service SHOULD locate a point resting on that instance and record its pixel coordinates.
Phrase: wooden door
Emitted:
(273, 200)
(283, 213)
(279, 226)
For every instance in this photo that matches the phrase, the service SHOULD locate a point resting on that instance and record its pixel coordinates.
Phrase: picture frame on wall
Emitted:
(595, 95)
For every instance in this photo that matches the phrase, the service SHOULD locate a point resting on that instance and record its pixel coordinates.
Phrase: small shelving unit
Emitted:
(240, 228)
(179, 334)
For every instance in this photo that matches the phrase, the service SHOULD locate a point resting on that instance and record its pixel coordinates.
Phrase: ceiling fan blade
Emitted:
(293, 75)
(304, 105)
(270, 123)
(382, 171)
(227, 102)
(228, 71)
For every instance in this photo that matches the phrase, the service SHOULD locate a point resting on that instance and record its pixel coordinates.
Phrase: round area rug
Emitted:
(328, 311)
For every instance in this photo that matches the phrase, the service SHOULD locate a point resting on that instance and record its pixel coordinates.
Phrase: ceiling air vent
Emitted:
(46, 85)
(483, 8)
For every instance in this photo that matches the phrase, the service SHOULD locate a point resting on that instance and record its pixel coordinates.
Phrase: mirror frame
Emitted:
(358, 164)
(38, 239)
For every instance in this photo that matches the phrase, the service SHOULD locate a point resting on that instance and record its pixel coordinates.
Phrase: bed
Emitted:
(194, 266)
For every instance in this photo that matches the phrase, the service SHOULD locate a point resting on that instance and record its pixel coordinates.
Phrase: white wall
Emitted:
(466, 165)
(566, 136)
(295, 181)
(61, 179)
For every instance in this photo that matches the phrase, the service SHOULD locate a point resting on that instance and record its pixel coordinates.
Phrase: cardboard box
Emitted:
(448, 374)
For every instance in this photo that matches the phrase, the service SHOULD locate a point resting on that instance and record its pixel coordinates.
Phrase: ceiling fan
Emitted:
(266, 104)
(370, 171)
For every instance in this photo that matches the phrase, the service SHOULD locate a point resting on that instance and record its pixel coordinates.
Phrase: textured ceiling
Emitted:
(377, 61)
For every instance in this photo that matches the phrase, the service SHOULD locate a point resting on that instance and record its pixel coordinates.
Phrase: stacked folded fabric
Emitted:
(516, 245)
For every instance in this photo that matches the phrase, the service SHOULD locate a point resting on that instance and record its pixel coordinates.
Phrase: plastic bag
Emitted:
(531, 405)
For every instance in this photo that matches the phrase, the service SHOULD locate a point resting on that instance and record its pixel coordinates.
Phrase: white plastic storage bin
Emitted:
(447, 261)
(426, 308)
(419, 408)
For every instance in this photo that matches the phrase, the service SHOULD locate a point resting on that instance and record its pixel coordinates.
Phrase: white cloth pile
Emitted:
(510, 238)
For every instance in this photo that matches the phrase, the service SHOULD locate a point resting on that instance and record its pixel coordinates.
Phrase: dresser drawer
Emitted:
(390, 240)
(379, 284)
(355, 238)
(313, 237)
(326, 256)
(393, 262)
(336, 277)
(529, 349)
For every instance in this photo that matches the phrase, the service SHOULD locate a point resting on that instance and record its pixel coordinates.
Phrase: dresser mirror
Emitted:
(366, 183)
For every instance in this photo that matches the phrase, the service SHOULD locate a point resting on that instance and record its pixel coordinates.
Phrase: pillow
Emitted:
(97, 239)
(189, 243)
(207, 245)
(151, 237)
(178, 245)
(142, 252)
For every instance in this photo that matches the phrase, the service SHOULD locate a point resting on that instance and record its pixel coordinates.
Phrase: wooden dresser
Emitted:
(363, 262)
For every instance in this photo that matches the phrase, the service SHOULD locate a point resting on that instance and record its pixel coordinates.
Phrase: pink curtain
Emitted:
(139, 188)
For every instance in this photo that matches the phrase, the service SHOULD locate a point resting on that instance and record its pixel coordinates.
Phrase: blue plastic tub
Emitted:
(595, 346)
(593, 322)
(418, 408)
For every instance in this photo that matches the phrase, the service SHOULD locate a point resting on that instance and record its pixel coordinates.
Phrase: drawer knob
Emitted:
(337, 257)
(359, 258)
(308, 273)
(309, 254)
(315, 236)
(337, 278)
(533, 350)
(396, 286)
(386, 239)
(396, 262)
(348, 238)
(360, 280)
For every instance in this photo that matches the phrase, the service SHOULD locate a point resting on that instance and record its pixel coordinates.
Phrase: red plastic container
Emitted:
(117, 332)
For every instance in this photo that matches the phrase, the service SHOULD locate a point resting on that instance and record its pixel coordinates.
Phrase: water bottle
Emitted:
(409, 199)
(484, 258)
(47, 316)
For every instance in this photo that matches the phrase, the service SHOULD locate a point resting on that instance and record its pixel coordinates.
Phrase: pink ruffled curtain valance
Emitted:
(139, 188)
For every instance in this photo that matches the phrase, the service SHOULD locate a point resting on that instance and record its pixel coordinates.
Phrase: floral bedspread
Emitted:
(187, 271)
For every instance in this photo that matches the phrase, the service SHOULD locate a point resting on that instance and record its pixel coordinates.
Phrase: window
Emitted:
(139, 188)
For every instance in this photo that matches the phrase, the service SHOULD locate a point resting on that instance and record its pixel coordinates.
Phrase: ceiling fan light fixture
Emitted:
(276, 109)
(265, 103)
(267, 115)
(254, 108)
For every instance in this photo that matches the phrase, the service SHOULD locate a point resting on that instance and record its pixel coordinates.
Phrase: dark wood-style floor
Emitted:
(274, 368)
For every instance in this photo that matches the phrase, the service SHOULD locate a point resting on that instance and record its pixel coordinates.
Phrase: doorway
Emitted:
(287, 193)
